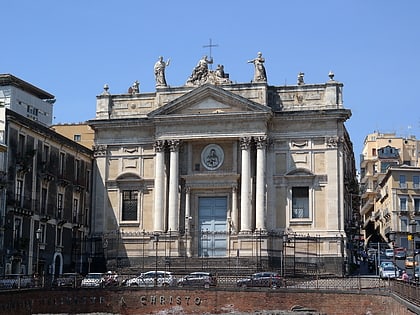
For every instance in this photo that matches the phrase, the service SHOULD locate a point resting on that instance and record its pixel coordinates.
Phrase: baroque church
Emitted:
(221, 170)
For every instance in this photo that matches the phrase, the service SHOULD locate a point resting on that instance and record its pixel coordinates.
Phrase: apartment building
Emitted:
(46, 192)
(397, 207)
(384, 193)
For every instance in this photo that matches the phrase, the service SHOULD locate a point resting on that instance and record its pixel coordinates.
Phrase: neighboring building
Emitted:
(383, 154)
(218, 169)
(397, 207)
(46, 181)
(26, 99)
(81, 133)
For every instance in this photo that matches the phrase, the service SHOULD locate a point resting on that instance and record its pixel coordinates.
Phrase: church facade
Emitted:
(218, 169)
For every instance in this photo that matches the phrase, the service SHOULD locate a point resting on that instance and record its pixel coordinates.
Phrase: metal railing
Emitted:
(408, 291)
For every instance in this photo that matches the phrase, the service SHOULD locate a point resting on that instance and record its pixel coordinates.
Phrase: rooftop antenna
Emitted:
(210, 45)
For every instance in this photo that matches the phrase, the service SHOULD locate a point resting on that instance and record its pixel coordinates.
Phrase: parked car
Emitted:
(262, 279)
(388, 272)
(92, 280)
(389, 253)
(13, 281)
(198, 279)
(151, 279)
(385, 263)
(417, 273)
(68, 280)
(110, 279)
(400, 253)
(409, 262)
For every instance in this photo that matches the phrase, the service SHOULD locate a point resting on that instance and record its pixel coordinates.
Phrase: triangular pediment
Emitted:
(209, 99)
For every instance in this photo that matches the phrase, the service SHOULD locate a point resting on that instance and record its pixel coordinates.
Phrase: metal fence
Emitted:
(409, 291)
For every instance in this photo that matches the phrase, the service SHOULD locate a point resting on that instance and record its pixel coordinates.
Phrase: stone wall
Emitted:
(181, 301)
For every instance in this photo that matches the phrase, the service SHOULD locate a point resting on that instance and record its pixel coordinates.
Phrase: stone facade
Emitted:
(46, 197)
(213, 166)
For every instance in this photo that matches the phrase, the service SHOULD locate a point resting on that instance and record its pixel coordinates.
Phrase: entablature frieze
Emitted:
(286, 180)
(221, 180)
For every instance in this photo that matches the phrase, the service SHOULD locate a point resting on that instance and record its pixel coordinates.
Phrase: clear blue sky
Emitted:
(72, 48)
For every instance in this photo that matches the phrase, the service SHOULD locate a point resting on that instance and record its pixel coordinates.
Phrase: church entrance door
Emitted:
(212, 226)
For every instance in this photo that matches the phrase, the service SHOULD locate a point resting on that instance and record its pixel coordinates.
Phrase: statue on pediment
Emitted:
(201, 74)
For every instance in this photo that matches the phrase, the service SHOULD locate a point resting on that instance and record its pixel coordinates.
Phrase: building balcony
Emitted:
(367, 207)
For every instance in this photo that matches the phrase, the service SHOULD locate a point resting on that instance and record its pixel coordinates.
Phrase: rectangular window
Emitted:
(43, 228)
(59, 236)
(403, 204)
(60, 206)
(61, 163)
(416, 182)
(76, 170)
(75, 209)
(19, 192)
(45, 154)
(129, 206)
(44, 193)
(87, 180)
(21, 145)
(300, 202)
(77, 138)
(417, 204)
(403, 183)
(17, 232)
(404, 225)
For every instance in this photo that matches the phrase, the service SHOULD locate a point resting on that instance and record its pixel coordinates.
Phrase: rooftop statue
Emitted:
(135, 88)
(201, 74)
(259, 69)
(159, 69)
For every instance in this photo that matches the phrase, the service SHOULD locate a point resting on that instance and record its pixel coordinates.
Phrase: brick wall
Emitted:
(180, 301)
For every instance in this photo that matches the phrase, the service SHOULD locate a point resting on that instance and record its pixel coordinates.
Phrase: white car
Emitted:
(92, 280)
(389, 253)
(151, 279)
(388, 272)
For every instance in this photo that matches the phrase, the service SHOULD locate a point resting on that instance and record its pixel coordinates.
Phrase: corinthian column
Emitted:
(246, 215)
(173, 215)
(158, 210)
(260, 184)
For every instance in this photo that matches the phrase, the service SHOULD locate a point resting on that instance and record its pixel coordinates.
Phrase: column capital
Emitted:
(174, 145)
(159, 145)
(245, 142)
(99, 150)
(261, 142)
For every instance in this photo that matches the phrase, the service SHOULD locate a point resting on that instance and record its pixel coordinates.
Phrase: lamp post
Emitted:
(156, 238)
(89, 263)
(413, 228)
(283, 262)
(38, 234)
(143, 250)
(391, 237)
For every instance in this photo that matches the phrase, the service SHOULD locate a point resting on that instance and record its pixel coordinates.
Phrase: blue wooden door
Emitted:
(212, 224)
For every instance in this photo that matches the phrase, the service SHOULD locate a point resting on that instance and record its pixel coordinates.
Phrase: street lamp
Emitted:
(38, 234)
(413, 230)
(156, 239)
(392, 238)
(283, 262)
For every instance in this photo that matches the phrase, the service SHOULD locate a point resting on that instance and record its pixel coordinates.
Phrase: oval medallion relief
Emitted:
(212, 157)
